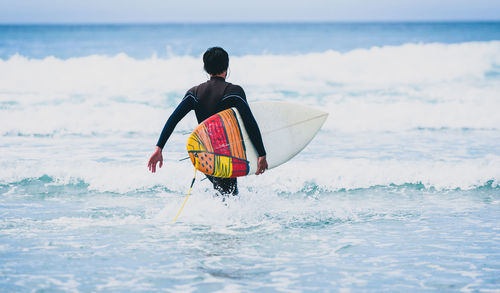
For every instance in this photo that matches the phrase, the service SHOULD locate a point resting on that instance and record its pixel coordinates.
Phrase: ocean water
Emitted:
(398, 192)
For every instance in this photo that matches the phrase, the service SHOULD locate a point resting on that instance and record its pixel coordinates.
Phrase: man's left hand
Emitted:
(261, 165)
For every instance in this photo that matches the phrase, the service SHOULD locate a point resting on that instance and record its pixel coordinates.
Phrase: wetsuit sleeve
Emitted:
(239, 101)
(187, 104)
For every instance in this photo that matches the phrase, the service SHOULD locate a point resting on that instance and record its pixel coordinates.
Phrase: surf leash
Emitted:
(189, 192)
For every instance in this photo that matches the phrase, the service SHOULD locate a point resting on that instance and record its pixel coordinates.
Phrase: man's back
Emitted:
(209, 96)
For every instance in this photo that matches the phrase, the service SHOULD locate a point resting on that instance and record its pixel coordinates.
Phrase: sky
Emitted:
(185, 11)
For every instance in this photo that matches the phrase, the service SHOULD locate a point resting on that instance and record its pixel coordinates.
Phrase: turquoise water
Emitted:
(398, 192)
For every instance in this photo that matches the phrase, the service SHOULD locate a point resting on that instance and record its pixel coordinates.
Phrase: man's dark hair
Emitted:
(215, 60)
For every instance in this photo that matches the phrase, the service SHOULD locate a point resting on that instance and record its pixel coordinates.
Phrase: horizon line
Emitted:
(255, 22)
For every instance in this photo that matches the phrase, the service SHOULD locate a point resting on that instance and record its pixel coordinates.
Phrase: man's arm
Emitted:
(239, 101)
(187, 104)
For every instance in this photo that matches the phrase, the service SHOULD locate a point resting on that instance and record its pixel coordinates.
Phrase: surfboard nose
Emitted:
(287, 128)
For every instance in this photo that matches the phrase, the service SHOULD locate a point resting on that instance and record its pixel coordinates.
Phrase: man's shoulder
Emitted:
(234, 89)
(193, 90)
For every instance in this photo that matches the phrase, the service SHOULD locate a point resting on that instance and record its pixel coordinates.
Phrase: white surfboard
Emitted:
(222, 147)
(286, 130)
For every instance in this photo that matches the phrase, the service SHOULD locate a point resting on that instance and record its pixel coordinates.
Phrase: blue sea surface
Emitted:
(165, 40)
(398, 192)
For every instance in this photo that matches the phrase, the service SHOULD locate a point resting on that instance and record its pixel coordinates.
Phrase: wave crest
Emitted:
(382, 88)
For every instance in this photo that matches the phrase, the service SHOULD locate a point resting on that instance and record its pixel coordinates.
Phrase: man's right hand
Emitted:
(155, 158)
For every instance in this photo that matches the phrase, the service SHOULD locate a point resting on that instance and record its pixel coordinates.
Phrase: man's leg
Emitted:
(225, 186)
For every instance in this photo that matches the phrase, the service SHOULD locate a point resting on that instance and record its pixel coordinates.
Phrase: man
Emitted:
(206, 100)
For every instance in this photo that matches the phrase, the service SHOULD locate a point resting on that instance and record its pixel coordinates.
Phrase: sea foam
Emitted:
(96, 118)
(382, 88)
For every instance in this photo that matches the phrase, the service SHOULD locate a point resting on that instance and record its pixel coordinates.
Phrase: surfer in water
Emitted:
(207, 99)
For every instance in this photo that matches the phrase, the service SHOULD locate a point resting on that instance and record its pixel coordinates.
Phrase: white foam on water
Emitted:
(95, 119)
(382, 88)
(332, 174)
(378, 67)
(325, 175)
(75, 136)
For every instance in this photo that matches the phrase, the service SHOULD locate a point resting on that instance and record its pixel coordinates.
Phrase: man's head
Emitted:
(215, 60)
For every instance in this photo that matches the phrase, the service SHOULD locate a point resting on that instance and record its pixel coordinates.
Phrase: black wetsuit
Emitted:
(206, 100)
